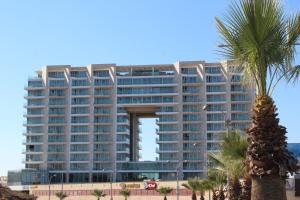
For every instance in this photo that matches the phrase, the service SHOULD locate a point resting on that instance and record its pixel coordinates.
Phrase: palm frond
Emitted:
(258, 35)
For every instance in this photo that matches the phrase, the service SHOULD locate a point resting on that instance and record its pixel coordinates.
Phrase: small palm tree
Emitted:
(164, 191)
(193, 185)
(125, 192)
(61, 195)
(203, 185)
(230, 161)
(98, 194)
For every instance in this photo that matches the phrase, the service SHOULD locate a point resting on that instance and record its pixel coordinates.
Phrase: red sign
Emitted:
(150, 185)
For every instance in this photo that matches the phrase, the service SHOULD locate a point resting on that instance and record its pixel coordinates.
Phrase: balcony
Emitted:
(147, 166)
(35, 84)
(123, 150)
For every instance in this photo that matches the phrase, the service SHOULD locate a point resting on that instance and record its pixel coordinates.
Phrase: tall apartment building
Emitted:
(83, 122)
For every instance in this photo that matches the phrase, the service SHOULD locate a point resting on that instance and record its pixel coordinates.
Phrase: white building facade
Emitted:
(83, 122)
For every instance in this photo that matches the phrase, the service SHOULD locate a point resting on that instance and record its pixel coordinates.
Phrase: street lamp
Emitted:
(111, 181)
(177, 181)
(54, 175)
(62, 182)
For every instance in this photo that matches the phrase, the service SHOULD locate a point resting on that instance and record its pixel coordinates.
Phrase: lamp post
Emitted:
(177, 182)
(62, 182)
(111, 181)
(49, 190)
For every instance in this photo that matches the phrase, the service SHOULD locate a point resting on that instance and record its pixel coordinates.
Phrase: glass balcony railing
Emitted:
(102, 92)
(79, 138)
(101, 73)
(57, 83)
(33, 149)
(34, 121)
(56, 129)
(191, 118)
(35, 84)
(213, 70)
(189, 71)
(55, 157)
(80, 83)
(189, 108)
(56, 148)
(145, 100)
(56, 111)
(147, 165)
(239, 98)
(35, 102)
(80, 120)
(102, 138)
(190, 89)
(216, 99)
(79, 147)
(79, 157)
(56, 75)
(151, 90)
(239, 107)
(102, 82)
(215, 79)
(80, 166)
(150, 72)
(191, 99)
(102, 120)
(191, 80)
(56, 139)
(98, 110)
(57, 93)
(56, 101)
(145, 81)
(79, 129)
(52, 120)
(33, 158)
(80, 101)
(167, 109)
(78, 74)
(102, 129)
(102, 101)
(80, 92)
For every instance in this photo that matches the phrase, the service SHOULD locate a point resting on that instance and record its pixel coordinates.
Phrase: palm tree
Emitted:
(98, 194)
(232, 169)
(193, 185)
(164, 191)
(215, 182)
(259, 36)
(230, 161)
(61, 195)
(203, 185)
(125, 192)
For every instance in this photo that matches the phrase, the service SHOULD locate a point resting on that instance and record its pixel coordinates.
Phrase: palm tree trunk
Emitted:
(202, 196)
(267, 158)
(165, 198)
(268, 187)
(234, 189)
(246, 188)
(214, 195)
(194, 196)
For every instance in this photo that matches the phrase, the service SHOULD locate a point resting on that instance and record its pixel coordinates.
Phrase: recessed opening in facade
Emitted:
(148, 136)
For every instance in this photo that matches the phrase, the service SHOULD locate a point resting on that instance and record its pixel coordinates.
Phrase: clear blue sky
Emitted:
(34, 33)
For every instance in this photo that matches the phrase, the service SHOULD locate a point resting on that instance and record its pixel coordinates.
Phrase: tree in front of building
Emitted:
(61, 195)
(125, 192)
(98, 194)
(164, 191)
